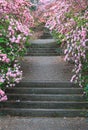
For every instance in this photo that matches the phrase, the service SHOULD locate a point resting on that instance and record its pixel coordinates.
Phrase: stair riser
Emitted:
(45, 91)
(31, 113)
(54, 45)
(42, 47)
(45, 98)
(46, 36)
(47, 85)
(41, 51)
(42, 54)
(44, 105)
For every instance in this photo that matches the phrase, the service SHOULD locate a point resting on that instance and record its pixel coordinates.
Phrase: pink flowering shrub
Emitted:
(3, 96)
(69, 20)
(15, 23)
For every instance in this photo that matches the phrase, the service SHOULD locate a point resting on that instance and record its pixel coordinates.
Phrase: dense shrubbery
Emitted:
(15, 23)
(69, 18)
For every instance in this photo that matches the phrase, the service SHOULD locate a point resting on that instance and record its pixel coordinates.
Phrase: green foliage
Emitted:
(86, 90)
(58, 37)
(85, 74)
(33, 8)
(12, 50)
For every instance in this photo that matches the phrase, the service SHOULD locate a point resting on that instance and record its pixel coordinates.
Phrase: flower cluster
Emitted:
(76, 51)
(15, 23)
(4, 58)
(77, 48)
(3, 97)
(55, 13)
(13, 75)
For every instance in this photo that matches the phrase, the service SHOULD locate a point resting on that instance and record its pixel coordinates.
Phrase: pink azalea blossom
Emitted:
(3, 97)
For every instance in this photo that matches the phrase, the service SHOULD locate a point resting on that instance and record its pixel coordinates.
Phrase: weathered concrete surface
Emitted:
(42, 41)
(46, 68)
(19, 123)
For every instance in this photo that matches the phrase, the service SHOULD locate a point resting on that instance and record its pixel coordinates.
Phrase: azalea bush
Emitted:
(3, 96)
(69, 20)
(15, 23)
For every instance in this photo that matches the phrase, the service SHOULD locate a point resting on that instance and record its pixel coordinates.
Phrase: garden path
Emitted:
(45, 67)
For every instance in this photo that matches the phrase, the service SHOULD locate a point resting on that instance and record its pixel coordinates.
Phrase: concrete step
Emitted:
(44, 105)
(46, 37)
(42, 54)
(44, 112)
(45, 90)
(47, 84)
(43, 50)
(43, 42)
(45, 97)
(44, 46)
(49, 46)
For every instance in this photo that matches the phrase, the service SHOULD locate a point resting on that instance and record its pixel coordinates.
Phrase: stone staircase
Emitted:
(48, 95)
(43, 47)
(45, 99)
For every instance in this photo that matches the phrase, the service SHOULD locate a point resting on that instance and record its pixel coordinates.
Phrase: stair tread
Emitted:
(47, 84)
(45, 94)
(50, 48)
(40, 109)
(35, 52)
(44, 112)
(46, 88)
(65, 102)
(43, 54)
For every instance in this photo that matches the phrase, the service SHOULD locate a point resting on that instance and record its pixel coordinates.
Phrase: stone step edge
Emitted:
(48, 88)
(49, 82)
(39, 109)
(47, 102)
(45, 112)
(46, 97)
(37, 52)
(45, 90)
(49, 95)
(42, 54)
(44, 105)
(27, 85)
(40, 48)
